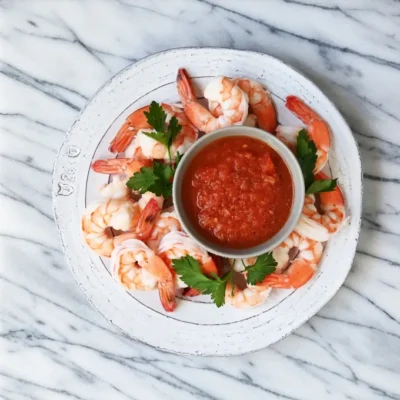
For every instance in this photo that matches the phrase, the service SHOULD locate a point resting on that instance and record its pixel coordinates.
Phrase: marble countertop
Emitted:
(54, 56)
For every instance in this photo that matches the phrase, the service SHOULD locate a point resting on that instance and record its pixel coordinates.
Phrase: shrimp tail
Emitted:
(301, 110)
(123, 138)
(135, 121)
(105, 167)
(119, 166)
(200, 117)
(166, 286)
(185, 88)
(167, 297)
(317, 128)
(147, 219)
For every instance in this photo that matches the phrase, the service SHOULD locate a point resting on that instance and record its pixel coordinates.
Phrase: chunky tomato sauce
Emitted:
(237, 192)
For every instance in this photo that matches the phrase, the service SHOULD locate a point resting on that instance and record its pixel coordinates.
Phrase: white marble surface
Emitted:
(54, 55)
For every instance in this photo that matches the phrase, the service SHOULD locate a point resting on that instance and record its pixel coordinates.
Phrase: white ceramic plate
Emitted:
(197, 326)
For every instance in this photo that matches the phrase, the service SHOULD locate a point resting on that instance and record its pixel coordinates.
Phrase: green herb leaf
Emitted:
(156, 179)
(307, 157)
(190, 272)
(264, 265)
(323, 185)
(143, 180)
(173, 130)
(164, 172)
(159, 136)
(156, 116)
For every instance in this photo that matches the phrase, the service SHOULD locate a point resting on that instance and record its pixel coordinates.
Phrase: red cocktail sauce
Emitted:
(238, 192)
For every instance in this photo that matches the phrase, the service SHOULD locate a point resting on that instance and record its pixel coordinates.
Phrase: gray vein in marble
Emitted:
(276, 30)
(43, 86)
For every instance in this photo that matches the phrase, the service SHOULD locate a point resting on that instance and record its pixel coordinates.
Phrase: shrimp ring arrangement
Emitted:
(135, 224)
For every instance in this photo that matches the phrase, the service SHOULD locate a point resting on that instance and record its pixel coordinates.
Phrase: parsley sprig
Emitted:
(156, 117)
(158, 178)
(306, 153)
(190, 272)
(264, 265)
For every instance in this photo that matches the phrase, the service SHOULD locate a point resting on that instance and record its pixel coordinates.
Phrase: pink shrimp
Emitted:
(234, 103)
(301, 268)
(333, 214)
(137, 267)
(260, 103)
(145, 223)
(167, 222)
(137, 122)
(188, 133)
(126, 166)
(250, 296)
(143, 146)
(316, 127)
(98, 218)
(178, 244)
(134, 122)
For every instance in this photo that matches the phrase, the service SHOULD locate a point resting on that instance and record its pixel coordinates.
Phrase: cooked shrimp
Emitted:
(146, 197)
(167, 222)
(260, 103)
(316, 127)
(137, 123)
(137, 267)
(143, 146)
(216, 110)
(249, 296)
(98, 218)
(188, 134)
(147, 219)
(234, 103)
(178, 244)
(288, 135)
(116, 189)
(301, 268)
(134, 122)
(309, 228)
(333, 214)
(145, 224)
(127, 166)
(219, 263)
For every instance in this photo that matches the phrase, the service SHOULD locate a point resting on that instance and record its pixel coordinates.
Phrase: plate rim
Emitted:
(307, 315)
